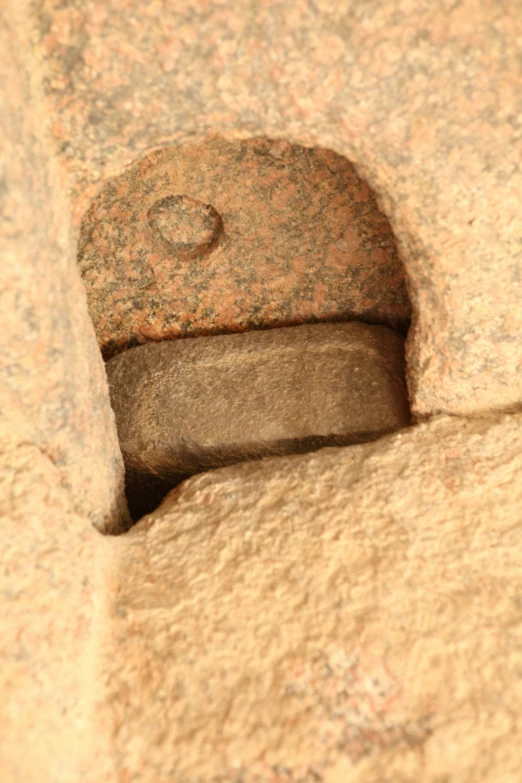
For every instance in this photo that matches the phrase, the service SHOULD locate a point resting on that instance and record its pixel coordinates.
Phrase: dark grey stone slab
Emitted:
(191, 405)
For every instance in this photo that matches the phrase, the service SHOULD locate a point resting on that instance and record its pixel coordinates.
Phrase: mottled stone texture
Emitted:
(351, 615)
(424, 96)
(297, 237)
(347, 616)
(53, 391)
(186, 406)
(52, 610)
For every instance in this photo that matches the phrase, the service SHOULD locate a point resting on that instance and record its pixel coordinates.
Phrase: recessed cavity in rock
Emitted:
(227, 236)
(223, 237)
(186, 227)
(186, 406)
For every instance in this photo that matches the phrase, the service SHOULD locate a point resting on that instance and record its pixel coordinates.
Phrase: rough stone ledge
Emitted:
(348, 615)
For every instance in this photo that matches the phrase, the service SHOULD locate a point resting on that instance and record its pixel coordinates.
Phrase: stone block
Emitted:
(270, 234)
(423, 98)
(50, 607)
(186, 406)
(347, 616)
(53, 389)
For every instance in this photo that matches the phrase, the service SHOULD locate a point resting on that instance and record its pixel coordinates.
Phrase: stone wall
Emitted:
(53, 392)
(422, 96)
(349, 615)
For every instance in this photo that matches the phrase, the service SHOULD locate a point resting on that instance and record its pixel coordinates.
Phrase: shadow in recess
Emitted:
(145, 490)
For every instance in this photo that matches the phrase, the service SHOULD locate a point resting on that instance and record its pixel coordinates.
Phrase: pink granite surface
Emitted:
(415, 558)
(53, 390)
(424, 97)
(267, 234)
(50, 614)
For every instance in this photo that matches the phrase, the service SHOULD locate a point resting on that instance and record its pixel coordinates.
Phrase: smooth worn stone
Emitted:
(226, 236)
(187, 406)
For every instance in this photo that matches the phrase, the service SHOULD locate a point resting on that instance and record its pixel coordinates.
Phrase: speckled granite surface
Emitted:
(423, 96)
(50, 606)
(365, 624)
(53, 390)
(294, 236)
(348, 616)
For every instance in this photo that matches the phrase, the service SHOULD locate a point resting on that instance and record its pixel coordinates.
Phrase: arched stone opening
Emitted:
(225, 237)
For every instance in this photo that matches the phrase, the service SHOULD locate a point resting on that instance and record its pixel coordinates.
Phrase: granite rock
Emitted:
(423, 97)
(348, 615)
(253, 234)
(53, 389)
(52, 614)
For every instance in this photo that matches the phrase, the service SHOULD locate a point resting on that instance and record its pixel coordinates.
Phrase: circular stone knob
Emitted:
(187, 228)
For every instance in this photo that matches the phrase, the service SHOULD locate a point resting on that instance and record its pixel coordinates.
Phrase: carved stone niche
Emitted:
(186, 406)
(228, 237)
(352, 614)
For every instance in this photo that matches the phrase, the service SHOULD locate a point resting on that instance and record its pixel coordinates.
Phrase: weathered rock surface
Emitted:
(51, 613)
(224, 236)
(365, 623)
(423, 97)
(191, 405)
(53, 389)
(348, 615)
